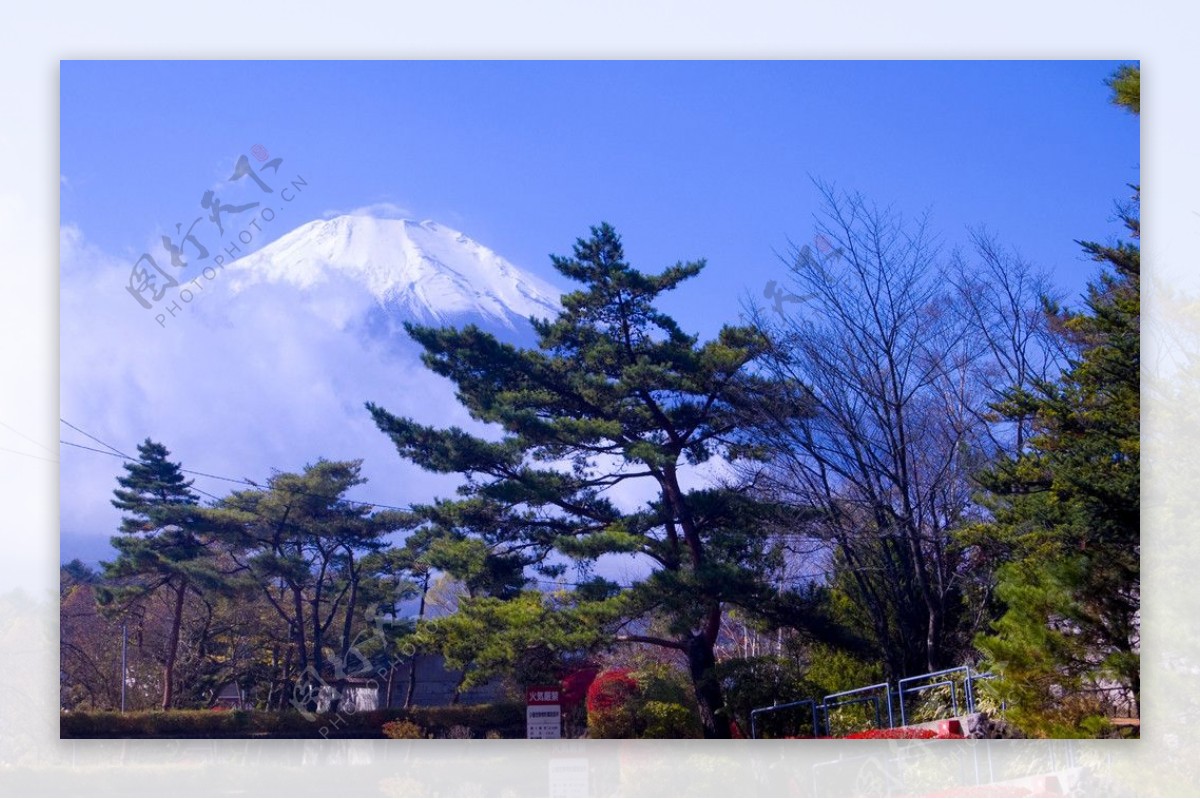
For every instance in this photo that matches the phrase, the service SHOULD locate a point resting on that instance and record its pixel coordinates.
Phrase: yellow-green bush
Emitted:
(402, 729)
(652, 702)
(670, 720)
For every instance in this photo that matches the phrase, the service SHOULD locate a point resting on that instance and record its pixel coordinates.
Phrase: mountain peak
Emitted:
(428, 272)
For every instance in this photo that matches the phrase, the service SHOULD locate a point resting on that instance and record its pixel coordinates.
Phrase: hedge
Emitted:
(507, 720)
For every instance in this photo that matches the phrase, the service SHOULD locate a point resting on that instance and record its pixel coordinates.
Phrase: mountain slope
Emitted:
(420, 271)
(267, 367)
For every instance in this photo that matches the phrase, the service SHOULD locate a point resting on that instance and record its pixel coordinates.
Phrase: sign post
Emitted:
(543, 711)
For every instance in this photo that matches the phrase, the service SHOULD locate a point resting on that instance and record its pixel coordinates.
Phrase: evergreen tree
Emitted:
(615, 392)
(158, 549)
(1067, 515)
(1126, 84)
(315, 557)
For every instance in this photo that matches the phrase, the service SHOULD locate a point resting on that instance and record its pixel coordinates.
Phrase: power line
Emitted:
(116, 453)
(93, 449)
(563, 584)
(93, 438)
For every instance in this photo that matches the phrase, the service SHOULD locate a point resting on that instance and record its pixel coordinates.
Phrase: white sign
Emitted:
(543, 711)
(543, 721)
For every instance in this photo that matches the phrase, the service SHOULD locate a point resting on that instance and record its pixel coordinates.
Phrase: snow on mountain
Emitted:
(422, 271)
(269, 364)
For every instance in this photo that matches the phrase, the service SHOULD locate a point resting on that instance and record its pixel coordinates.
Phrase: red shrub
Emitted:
(612, 706)
(610, 691)
(902, 733)
(576, 684)
(898, 733)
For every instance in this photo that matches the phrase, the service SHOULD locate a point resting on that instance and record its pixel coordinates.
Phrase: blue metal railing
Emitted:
(915, 684)
(754, 715)
(887, 692)
(973, 678)
(966, 672)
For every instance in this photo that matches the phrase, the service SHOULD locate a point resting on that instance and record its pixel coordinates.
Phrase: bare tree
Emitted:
(1003, 302)
(900, 358)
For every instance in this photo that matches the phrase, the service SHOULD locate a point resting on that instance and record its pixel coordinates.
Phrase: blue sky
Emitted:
(686, 159)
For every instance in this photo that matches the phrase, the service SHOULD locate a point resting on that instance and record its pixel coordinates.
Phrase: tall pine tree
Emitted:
(158, 549)
(315, 556)
(1067, 646)
(615, 392)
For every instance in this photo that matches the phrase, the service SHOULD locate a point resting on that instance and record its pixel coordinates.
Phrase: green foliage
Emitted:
(319, 561)
(834, 670)
(152, 490)
(756, 682)
(669, 703)
(77, 573)
(670, 720)
(838, 670)
(159, 549)
(158, 545)
(1067, 520)
(505, 720)
(652, 702)
(1048, 673)
(612, 381)
(490, 636)
(1126, 84)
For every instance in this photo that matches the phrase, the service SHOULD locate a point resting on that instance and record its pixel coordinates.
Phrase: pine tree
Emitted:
(1067, 513)
(1126, 84)
(315, 557)
(158, 549)
(615, 392)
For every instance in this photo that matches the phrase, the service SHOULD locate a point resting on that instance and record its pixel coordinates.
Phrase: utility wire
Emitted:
(98, 441)
(563, 584)
(116, 453)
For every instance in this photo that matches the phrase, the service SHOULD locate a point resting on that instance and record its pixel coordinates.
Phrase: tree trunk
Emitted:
(935, 660)
(297, 626)
(348, 622)
(173, 646)
(412, 664)
(411, 689)
(701, 665)
(318, 662)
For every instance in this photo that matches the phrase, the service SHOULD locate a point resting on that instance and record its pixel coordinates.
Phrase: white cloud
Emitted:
(384, 210)
(232, 385)
(243, 382)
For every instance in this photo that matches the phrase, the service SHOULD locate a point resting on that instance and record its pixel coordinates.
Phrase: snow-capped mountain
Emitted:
(266, 364)
(419, 271)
